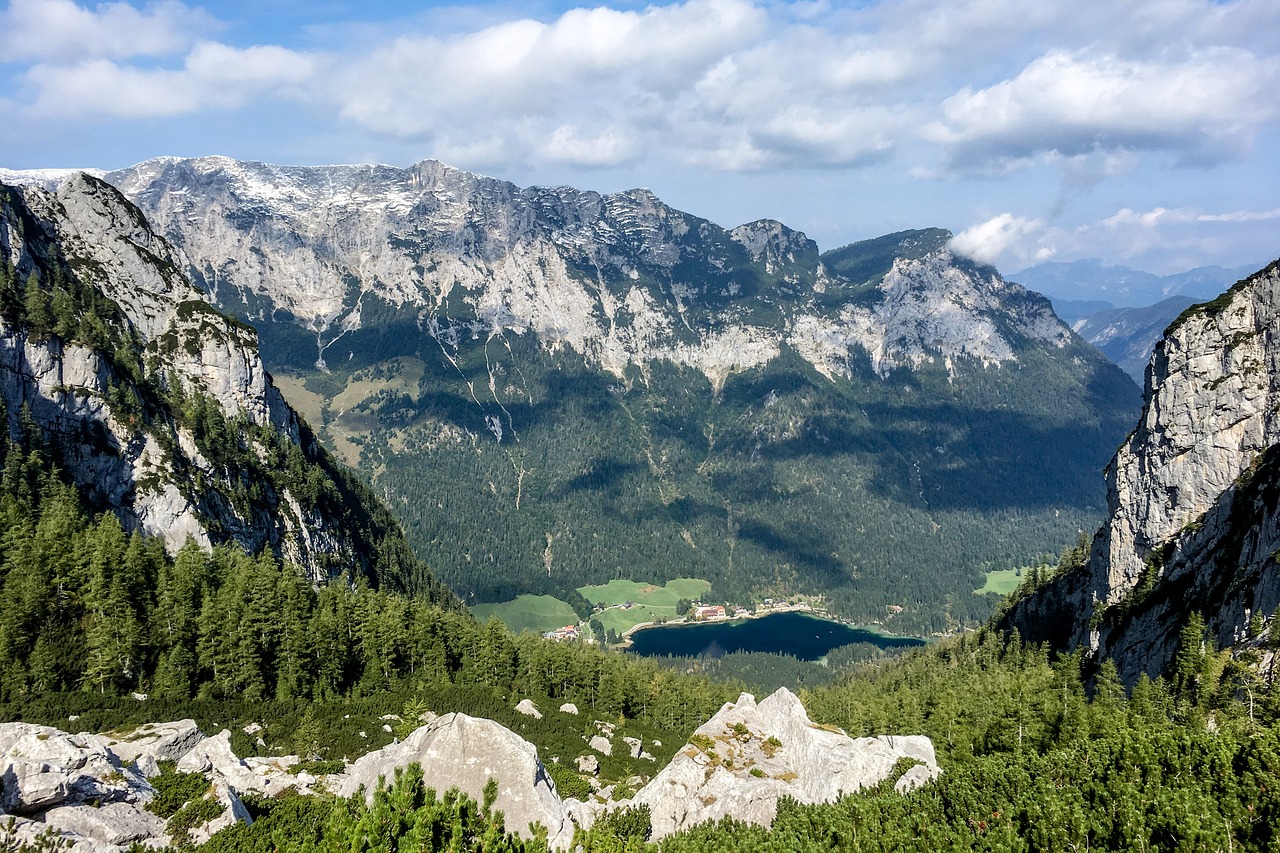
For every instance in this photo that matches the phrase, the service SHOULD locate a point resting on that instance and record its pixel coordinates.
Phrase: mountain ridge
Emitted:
(190, 438)
(554, 387)
(1193, 499)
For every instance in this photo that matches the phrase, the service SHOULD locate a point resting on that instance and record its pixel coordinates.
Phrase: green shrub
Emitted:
(568, 782)
(193, 814)
(174, 790)
(318, 767)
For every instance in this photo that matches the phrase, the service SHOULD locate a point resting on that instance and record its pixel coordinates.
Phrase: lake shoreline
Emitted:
(874, 633)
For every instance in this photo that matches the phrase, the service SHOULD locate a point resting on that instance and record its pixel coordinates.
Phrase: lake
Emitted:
(801, 635)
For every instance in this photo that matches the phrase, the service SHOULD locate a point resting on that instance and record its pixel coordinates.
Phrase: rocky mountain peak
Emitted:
(623, 279)
(1191, 495)
(157, 405)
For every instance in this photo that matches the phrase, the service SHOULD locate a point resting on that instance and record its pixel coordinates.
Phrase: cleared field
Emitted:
(396, 374)
(1001, 582)
(623, 620)
(620, 591)
(529, 613)
(649, 601)
(308, 403)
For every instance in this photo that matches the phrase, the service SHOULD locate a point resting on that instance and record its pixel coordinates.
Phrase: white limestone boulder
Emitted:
(43, 767)
(456, 750)
(159, 741)
(112, 824)
(749, 755)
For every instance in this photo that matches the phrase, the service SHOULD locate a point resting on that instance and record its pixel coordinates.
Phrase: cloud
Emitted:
(526, 80)
(1002, 237)
(1240, 216)
(214, 76)
(1085, 93)
(575, 147)
(1203, 108)
(1159, 239)
(61, 30)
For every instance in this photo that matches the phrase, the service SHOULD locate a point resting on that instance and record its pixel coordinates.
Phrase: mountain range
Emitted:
(1091, 280)
(553, 387)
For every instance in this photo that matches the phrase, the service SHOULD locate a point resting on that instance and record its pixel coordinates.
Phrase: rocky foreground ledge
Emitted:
(93, 789)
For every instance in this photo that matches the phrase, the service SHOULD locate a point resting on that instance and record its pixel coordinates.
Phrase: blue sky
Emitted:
(1143, 132)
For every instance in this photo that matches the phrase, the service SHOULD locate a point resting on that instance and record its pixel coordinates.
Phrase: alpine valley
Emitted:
(554, 388)
(213, 636)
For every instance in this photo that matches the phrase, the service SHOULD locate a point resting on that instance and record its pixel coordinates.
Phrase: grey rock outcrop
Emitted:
(156, 473)
(748, 756)
(80, 788)
(214, 758)
(156, 741)
(1193, 517)
(614, 278)
(111, 825)
(526, 707)
(456, 750)
(44, 767)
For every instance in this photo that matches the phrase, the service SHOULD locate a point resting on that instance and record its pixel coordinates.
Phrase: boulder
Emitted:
(161, 741)
(601, 744)
(147, 766)
(456, 750)
(749, 755)
(43, 767)
(588, 764)
(214, 758)
(527, 708)
(233, 812)
(113, 823)
(569, 708)
(634, 745)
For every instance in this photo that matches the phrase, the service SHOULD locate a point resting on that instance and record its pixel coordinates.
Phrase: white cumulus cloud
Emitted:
(1002, 239)
(61, 30)
(1203, 107)
(214, 76)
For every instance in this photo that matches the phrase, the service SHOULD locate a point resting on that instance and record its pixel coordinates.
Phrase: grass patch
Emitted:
(651, 601)
(1001, 582)
(537, 613)
(305, 402)
(620, 591)
(622, 620)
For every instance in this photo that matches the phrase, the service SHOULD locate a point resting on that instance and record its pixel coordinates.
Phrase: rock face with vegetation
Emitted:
(83, 790)
(748, 756)
(459, 751)
(548, 361)
(1194, 497)
(156, 404)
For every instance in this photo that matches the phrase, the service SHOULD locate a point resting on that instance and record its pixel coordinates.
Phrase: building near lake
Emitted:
(568, 632)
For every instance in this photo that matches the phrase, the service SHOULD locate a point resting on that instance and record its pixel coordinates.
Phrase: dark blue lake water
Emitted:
(799, 634)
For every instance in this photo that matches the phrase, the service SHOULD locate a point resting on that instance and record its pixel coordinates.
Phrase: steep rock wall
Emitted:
(1192, 496)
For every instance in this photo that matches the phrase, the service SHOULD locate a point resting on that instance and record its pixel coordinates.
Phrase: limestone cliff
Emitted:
(158, 406)
(620, 279)
(1193, 496)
